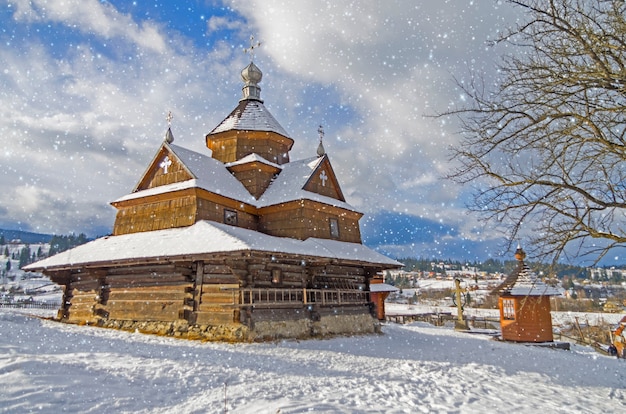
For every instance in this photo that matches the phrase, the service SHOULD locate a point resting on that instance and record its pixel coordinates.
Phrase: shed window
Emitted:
(508, 309)
(334, 228)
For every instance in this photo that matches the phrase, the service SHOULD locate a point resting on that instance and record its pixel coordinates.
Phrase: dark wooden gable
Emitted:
(165, 168)
(324, 181)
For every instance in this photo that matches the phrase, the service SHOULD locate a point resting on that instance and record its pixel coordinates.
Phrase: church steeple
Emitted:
(250, 128)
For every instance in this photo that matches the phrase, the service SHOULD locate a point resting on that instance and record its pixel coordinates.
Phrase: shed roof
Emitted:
(524, 282)
(382, 287)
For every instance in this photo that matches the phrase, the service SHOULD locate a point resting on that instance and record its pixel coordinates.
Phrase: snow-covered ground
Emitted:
(51, 367)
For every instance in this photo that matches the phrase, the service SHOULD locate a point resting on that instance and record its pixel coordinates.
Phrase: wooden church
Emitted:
(240, 245)
(524, 302)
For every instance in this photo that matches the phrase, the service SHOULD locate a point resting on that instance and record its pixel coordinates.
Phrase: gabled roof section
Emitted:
(163, 163)
(202, 238)
(324, 181)
(202, 172)
(250, 115)
(291, 184)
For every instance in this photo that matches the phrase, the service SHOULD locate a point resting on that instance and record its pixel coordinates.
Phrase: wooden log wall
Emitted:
(209, 292)
(147, 293)
(217, 298)
(81, 297)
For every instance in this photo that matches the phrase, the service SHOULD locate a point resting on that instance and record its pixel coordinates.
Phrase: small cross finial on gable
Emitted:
(250, 49)
(169, 118)
(320, 147)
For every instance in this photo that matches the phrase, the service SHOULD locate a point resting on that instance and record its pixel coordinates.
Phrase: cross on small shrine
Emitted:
(323, 177)
(250, 49)
(165, 164)
(169, 118)
(320, 131)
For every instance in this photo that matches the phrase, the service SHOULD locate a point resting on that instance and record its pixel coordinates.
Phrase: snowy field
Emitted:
(49, 367)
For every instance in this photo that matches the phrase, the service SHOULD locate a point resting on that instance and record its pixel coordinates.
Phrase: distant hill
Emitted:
(25, 236)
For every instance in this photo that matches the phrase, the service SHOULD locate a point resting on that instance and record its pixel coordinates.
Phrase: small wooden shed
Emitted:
(378, 293)
(524, 302)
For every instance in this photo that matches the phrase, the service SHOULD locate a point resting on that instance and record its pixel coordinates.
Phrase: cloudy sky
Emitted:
(85, 87)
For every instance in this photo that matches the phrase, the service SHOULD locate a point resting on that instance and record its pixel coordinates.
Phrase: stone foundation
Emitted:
(327, 326)
(182, 329)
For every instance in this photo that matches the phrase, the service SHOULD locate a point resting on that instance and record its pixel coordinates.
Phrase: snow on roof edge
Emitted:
(204, 237)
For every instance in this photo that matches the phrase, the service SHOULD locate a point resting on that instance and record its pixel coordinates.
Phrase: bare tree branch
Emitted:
(546, 149)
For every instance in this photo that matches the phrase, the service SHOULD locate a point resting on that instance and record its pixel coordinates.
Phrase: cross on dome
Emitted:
(250, 49)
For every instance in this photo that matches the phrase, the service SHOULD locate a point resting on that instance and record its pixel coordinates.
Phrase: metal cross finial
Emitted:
(169, 118)
(320, 131)
(251, 48)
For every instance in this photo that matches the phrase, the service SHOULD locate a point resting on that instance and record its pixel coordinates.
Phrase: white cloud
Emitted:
(393, 63)
(82, 124)
(217, 23)
(91, 17)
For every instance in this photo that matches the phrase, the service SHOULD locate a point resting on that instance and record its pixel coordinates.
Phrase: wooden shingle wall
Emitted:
(304, 219)
(208, 209)
(166, 169)
(230, 146)
(156, 214)
(255, 176)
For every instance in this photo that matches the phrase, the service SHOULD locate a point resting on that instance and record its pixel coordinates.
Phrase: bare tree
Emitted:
(546, 149)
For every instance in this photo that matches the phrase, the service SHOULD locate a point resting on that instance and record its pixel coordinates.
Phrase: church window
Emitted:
(230, 217)
(334, 228)
(508, 309)
(277, 276)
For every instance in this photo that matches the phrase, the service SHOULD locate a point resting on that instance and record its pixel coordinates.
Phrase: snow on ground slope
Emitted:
(51, 367)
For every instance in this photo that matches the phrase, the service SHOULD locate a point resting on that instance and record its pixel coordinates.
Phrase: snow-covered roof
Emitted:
(289, 186)
(203, 238)
(250, 115)
(213, 176)
(252, 158)
(524, 282)
(382, 287)
(210, 174)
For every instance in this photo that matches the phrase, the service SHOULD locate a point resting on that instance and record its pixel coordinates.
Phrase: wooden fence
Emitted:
(262, 297)
(30, 305)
